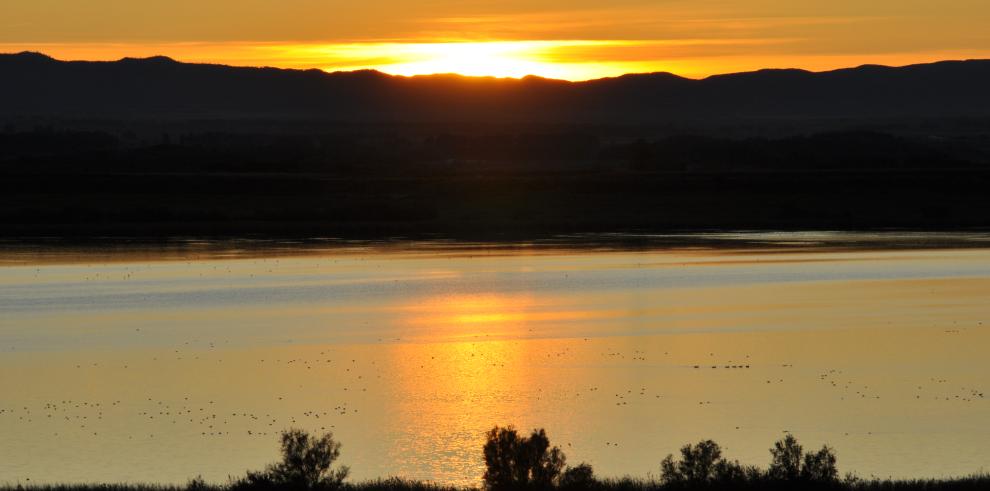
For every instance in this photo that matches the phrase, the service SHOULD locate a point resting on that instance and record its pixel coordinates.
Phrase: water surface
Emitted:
(156, 363)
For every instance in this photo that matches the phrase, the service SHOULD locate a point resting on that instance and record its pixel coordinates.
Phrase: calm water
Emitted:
(160, 363)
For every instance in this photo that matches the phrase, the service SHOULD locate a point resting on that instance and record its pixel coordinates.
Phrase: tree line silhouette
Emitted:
(505, 150)
(373, 183)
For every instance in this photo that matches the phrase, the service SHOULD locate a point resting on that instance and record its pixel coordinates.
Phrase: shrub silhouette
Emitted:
(697, 463)
(786, 459)
(820, 466)
(198, 484)
(791, 463)
(306, 464)
(580, 477)
(703, 464)
(514, 462)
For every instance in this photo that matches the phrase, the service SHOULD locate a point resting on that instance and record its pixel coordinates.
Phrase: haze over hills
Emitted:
(33, 84)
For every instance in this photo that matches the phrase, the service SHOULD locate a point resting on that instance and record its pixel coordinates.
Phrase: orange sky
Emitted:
(571, 39)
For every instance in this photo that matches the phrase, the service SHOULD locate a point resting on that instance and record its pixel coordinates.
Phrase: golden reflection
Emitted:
(477, 309)
(445, 396)
(491, 316)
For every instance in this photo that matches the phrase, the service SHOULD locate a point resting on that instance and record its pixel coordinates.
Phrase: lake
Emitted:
(158, 362)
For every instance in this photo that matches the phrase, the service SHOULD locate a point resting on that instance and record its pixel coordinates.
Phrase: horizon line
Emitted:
(489, 77)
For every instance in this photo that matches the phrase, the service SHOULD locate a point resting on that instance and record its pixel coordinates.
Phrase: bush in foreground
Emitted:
(306, 465)
(516, 462)
(790, 463)
(703, 464)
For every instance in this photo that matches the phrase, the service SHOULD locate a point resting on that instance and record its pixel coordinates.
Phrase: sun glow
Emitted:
(514, 59)
(559, 59)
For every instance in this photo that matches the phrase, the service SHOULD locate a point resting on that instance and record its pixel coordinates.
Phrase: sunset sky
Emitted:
(569, 39)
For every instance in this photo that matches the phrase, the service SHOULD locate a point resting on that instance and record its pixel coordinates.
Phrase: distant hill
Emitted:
(33, 84)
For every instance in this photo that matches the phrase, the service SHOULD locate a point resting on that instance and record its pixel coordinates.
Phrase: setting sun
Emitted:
(514, 59)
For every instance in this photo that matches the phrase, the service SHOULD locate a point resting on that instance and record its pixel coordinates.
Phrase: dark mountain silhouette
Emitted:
(33, 84)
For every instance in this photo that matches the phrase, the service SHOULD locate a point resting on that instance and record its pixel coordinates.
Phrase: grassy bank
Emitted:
(514, 461)
(974, 482)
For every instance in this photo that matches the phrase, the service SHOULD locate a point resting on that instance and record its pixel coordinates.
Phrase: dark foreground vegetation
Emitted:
(382, 181)
(530, 463)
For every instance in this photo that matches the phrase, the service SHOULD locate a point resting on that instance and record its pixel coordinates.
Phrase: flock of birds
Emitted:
(937, 389)
(210, 418)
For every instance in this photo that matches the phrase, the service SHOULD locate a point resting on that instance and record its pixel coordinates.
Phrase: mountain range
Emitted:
(33, 84)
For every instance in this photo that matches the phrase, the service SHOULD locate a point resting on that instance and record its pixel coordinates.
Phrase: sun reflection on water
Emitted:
(492, 316)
